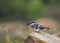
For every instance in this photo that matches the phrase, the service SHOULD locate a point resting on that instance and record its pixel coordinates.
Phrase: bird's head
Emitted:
(31, 22)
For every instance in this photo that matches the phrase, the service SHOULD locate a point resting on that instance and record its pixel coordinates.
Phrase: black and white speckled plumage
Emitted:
(36, 27)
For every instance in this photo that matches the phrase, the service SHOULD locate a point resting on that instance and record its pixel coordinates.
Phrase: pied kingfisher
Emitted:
(36, 26)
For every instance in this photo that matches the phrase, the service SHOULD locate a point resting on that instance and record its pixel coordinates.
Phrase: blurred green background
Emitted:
(27, 10)
(22, 11)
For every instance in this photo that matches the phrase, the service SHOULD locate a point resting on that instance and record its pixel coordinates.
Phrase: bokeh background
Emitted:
(14, 14)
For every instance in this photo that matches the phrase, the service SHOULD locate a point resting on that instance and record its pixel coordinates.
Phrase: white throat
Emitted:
(32, 24)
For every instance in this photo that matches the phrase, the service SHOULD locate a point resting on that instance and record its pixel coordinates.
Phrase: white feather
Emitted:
(36, 29)
(32, 24)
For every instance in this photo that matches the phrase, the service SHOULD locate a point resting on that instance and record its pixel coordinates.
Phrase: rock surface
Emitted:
(41, 37)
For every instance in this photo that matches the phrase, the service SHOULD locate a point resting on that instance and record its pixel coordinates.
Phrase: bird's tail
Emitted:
(46, 27)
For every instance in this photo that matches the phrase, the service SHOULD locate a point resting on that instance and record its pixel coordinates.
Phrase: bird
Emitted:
(36, 26)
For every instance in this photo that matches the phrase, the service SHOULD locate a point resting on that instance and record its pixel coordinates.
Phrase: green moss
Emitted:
(52, 31)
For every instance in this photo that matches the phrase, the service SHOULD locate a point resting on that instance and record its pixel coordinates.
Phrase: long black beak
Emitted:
(28, 23)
